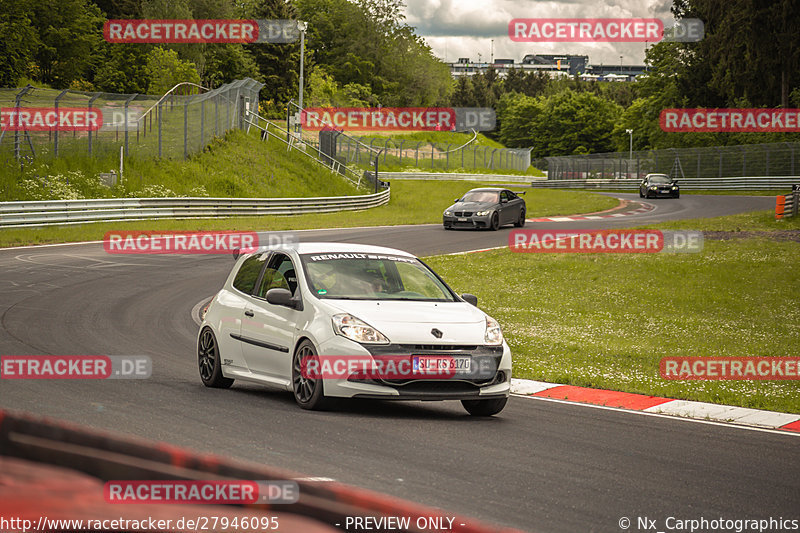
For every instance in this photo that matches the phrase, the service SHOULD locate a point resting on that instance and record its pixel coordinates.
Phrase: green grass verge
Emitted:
(240, 165)
(412, 202)
(606, 320)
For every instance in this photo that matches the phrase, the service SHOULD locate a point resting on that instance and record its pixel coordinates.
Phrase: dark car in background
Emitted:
(486, 207)
(659, 186)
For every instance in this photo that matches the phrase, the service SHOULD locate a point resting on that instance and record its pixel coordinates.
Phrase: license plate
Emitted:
(462, 219)
(448, 364)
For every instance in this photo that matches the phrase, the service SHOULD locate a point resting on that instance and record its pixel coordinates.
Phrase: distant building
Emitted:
(554, 65)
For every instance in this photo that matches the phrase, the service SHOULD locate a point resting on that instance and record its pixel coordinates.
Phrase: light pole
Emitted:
(302, 26)
(630, 153)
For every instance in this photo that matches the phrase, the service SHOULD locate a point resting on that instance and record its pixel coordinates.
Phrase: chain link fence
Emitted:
(400, 153)
(173, 125)
(769, 159)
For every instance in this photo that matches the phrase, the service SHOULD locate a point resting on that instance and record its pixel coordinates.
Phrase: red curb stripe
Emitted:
(608, 398)
(792, 426)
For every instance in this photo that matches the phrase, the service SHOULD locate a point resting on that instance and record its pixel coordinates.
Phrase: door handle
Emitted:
(249, 312)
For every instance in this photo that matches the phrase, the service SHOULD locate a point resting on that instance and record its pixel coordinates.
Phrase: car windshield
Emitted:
(480, 196)
(366, 276)
(660, 179)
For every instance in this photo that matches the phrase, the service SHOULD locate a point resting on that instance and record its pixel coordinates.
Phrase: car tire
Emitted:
(678, 195)
(308, 393)
(448, 227)
(521, 222)
(208, 361)
(640, 194)
(484, 407)
(494, 225)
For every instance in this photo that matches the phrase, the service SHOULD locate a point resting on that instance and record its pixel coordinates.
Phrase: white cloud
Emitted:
(465, 28)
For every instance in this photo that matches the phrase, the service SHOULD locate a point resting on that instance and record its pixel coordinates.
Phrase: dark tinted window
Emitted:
(245, 279)
(279, 274)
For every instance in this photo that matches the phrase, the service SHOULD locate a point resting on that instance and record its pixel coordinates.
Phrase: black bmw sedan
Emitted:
(486, 208)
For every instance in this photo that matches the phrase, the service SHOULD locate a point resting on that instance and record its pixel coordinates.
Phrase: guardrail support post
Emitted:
(160, 110)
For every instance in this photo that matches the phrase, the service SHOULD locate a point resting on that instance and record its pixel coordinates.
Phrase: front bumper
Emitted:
(491, 378)
(473, 221)
(664, 193)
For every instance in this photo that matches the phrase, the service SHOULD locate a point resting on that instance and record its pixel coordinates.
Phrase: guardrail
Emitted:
(722, 184)
(57, 212)
(510, 178)
(786, 205)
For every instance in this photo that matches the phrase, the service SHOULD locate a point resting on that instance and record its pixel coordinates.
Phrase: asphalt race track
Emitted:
(540, 466)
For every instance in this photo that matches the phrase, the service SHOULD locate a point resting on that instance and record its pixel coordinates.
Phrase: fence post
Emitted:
(55, 133)
(447, 153)
(160, 109)
(128, 101)
(89, 106)
(416, 154)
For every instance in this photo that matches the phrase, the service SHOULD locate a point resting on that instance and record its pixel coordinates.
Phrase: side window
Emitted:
(245, 279)
(279, 274)
(511, 195)
(503, 196)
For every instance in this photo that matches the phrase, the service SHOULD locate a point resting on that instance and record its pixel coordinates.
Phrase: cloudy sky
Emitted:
(465, 28)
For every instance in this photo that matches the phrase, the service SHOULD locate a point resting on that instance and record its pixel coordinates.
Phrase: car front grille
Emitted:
(463, 213)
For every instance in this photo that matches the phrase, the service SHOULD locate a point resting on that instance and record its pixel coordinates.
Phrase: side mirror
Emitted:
(503, 200)
(282, 297)
(456, 200)
(674, 182)
(236, 253)
(470, 299)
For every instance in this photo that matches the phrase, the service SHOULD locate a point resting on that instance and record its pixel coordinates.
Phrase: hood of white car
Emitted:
(413, 322)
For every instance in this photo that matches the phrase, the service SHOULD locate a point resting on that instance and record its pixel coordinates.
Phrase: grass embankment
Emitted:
(238, 165)
(606, 320)
(412, 202)
(478, 157)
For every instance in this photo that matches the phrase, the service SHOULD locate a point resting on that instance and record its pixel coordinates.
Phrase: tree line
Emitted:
(363, 53)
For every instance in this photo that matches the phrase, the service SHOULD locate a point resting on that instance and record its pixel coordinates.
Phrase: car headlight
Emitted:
(674, 187)
(357, 330)
(448, 213)
(483, 213)
(494, 335)
(653, 187)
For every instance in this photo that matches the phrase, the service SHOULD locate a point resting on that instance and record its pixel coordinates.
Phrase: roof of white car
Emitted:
(338, 247)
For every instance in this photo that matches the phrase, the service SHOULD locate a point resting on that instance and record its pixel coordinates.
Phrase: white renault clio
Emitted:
(329, 307)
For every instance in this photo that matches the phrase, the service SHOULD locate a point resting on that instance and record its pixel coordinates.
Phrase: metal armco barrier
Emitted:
(786, 204)
(720, 184)
(57, 212)
(510, 178)
(30, 447)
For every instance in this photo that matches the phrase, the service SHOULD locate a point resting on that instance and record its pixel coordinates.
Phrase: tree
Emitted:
(279, 64)
(69, 34)
(18, 40)
(165, 70)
